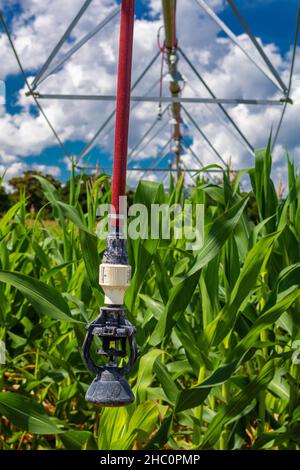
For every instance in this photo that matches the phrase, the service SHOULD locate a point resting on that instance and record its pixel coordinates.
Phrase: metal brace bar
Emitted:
(188, 147)
(204, 136)
(195, 156)
(157, 162)
(290, 79)
(163, 99)
(154, 136)
(250, 147)
(133, 150)
(258, 46)
(110, 117)
(202, 4)
(60, 43)
(221, 119)
(79, 44)
(134, 105)
(152, 169)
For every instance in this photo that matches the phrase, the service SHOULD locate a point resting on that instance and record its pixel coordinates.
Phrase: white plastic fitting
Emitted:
(114, 280)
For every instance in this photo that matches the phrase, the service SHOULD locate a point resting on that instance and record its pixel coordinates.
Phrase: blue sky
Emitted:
(271, 20)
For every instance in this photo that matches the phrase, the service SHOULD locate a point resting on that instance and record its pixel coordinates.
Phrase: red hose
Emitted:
(123, 104)
(174, 34)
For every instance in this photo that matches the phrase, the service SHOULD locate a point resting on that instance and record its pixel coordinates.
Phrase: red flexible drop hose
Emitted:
(123, 104)
(174, 34)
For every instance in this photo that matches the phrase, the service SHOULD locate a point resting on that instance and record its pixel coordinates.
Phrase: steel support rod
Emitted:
(188, 147)
(134, 105)
(157, 162)
(79, 44)
(88, 147)
(123, 103)
(204, 136)
(250, 147)
(258, 46)
(290, 79)
(202, 4)
(152, 169)
(158, 131)
(60, 43)
(145, 135)
(164, 99)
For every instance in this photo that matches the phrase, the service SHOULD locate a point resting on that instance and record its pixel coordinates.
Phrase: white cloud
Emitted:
(93, 70)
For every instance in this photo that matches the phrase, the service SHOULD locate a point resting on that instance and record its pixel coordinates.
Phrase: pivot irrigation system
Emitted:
(110, 387)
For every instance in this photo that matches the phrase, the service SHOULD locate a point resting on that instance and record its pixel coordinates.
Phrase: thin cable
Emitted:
(160, 47)
(88, 147)
(222, 121)
(145, 135)
(152, 138)
(204, 136)
(195, 156)
(290, 79)
(29, 87)
(250, 147)
(157, 162)
(136, 103)
(188, 147)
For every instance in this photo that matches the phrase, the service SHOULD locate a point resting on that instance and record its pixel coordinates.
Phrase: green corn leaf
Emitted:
(142, 422)
(44, 298)
(166, 381)
(141, 251)
(209, 167)
(237, 404)
(78, 440)
(222, 324)
(161, 437)
(267, 318)
(195, 396)
(27, 414)
(8, 216)
(281, 437)
(72, 214)
(112, 425)
(181, 293)
(145, 373)
(220, 231)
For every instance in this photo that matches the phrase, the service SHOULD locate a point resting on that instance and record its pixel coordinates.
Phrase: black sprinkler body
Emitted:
(118, 335)
(110, 387)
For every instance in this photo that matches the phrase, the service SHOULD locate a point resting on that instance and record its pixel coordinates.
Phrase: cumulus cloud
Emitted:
(37, 27)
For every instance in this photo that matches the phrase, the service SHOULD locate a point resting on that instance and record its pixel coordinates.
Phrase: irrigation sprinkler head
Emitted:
(118, 335)
(110, 387)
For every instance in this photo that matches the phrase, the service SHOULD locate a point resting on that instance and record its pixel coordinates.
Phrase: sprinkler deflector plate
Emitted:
(109, 388)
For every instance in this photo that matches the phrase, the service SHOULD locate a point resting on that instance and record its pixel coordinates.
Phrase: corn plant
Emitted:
(217, 327)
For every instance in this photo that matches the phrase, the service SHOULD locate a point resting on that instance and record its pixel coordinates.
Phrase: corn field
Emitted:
(217, 329)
